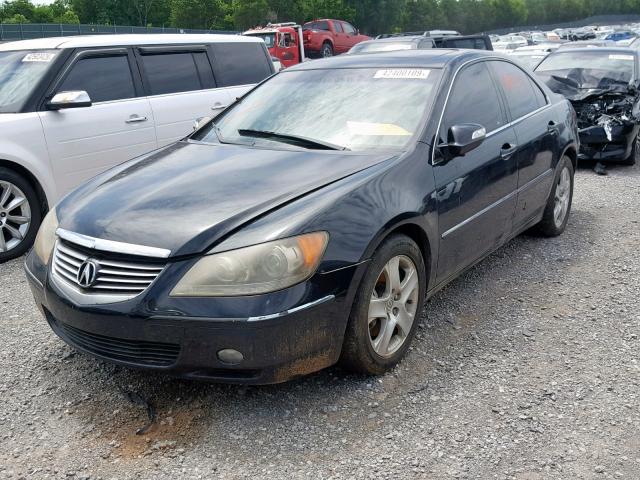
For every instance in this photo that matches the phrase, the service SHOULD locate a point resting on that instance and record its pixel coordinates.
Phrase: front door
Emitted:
(476, 192)
(83, 142)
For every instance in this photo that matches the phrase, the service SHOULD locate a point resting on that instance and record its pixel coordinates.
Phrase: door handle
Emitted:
(552, 127)
(507, 150)
(218, 106)
(136, 119)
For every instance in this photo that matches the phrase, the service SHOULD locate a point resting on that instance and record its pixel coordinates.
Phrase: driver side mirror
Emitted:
(72, 99)
(463, 138)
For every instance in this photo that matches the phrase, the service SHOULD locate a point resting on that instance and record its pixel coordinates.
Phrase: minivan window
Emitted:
(172, 72)
(20, 72)
(473, 99)
(354, 108)
(240, 63)
(517, 88)
(103, 78)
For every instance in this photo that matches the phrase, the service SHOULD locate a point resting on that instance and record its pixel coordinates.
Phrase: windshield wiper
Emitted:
(291, 139)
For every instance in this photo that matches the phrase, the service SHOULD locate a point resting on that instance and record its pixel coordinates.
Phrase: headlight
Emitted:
(254, 270)
(46, 237)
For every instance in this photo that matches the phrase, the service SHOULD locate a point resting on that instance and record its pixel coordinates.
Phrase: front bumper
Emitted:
(161, 334)
(595, 145)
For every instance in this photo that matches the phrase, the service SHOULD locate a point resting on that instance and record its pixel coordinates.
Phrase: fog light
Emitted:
(230, 356)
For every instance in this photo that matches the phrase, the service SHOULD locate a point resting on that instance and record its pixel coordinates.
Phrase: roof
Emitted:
(603, 50)
(431, 58)
(121, 40)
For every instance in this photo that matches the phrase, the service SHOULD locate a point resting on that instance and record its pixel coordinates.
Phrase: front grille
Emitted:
(133, 351)
(114, 277)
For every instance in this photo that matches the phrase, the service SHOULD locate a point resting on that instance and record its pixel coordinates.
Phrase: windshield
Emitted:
(370, 47)
(355, 109)
(589, 70)
(269, 38)
(529, 61)
(20, 71)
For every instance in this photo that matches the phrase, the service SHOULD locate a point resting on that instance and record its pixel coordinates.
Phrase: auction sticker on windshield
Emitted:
(621, 57)
(403, 73)
(39, 57)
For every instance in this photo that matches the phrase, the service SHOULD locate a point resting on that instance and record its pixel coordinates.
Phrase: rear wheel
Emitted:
(384, 316)
(327, 50)
(556, 213)
(20, 215)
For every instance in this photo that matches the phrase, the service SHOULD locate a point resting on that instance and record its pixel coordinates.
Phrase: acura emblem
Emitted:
(87, 274)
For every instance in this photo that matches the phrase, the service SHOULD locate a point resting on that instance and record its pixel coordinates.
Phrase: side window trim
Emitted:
(81, 54)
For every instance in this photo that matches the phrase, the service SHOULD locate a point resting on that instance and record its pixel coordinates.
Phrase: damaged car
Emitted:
(602, 86)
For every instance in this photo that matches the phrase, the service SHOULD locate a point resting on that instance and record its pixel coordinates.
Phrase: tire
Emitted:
(366, 348)
(327, 50)
(20, 215)
(634, 156)
(554, 221)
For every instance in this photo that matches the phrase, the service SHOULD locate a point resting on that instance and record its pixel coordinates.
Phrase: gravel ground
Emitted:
(526, 367)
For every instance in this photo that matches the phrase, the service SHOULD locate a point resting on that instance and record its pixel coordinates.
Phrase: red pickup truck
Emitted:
(326, 38)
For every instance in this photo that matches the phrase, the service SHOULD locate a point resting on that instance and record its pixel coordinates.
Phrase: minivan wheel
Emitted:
(385, 313)
(556, 213)
(327, 50)
(20, 215)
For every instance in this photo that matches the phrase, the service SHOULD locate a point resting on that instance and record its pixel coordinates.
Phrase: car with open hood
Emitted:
(306, 224)
(602, 85)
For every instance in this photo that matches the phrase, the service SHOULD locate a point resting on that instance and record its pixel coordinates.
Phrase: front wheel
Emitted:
(556, 213)
(20, 215)
(385, 311)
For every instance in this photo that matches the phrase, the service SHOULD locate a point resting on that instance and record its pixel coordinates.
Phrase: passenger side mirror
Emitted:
(463, 138)
(72, 99)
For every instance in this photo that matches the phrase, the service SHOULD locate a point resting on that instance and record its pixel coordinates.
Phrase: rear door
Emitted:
(83, 142)
(181, 88)
(477, 192)
(536, 131)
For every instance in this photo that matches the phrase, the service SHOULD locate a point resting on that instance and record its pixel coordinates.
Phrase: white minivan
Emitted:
(72, 107)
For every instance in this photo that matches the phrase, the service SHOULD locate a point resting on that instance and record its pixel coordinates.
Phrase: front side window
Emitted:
(348, 28)
(338, 27)
(356, 108)
(103, 78)
(473, 99)
(518, 89)
(172, 72)
(20, 72)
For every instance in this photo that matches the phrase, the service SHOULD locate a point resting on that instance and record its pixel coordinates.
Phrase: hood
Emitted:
(575, 92)
(186, 197)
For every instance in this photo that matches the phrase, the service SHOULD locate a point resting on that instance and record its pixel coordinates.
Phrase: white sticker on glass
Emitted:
(403, 73)
(39, 57)
(621, 57)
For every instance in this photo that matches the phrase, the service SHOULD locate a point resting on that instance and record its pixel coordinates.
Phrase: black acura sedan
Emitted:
(307, 223)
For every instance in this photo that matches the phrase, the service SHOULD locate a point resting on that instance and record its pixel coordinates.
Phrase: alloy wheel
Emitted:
(393, 305)
(562, 197)
(15, 216)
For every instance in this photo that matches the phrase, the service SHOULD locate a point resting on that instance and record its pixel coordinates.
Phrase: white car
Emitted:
(72, 107)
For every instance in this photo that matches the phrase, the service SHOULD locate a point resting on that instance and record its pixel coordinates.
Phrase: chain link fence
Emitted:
(24, 31)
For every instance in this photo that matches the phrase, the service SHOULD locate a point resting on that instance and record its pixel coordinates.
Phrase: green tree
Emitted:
(249, 13)
(208, 14)
(69, 17)
(16, 18)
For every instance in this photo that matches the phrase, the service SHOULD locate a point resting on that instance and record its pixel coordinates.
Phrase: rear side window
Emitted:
(473, 43)
(473, 99)
(519, 89)
(240, 63)
(103, 78)
(177, 72)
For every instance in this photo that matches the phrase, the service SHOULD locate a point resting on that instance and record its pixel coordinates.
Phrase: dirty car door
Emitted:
(476, 192)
